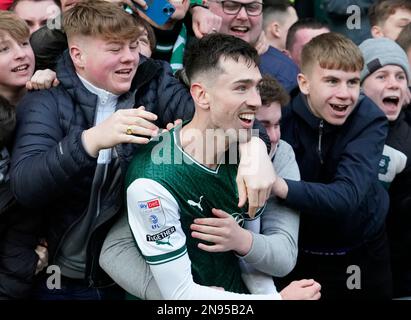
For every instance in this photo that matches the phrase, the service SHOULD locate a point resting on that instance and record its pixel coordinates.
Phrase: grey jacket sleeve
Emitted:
(123, 262)
(275, 250)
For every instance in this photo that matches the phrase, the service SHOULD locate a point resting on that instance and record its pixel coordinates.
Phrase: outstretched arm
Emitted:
(355, 174)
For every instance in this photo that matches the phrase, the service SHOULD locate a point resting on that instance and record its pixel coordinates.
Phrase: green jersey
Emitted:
(166, 191)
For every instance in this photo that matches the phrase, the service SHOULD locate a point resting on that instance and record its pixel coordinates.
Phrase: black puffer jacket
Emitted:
(50, 168)
(18, 238)
(19, 235)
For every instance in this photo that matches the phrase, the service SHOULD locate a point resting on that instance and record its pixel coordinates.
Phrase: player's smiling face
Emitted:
(234, 98)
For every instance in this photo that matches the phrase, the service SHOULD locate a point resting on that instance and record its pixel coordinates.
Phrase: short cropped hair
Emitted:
(272, 91)
(307, 23)
(275, 9)
(332, 51)
(379, 12)
(13, 25)
(404, 38)
(203, 56)
(96, 18)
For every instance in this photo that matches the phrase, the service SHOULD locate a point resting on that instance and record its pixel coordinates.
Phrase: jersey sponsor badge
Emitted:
(157, 238)
(258, 213)
(240, 217)
(154, 217)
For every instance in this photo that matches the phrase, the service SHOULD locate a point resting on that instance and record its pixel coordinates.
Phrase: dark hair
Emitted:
(144, 24)
(282, 5)
(275, 9)
(7, 121)
(275, 6)
(272, 91)
(204, 55)
(382, 9)
(404, 38)
(48, 45)
(307, 23)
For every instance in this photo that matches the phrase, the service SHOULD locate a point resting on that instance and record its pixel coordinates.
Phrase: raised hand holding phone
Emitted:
(159, 11)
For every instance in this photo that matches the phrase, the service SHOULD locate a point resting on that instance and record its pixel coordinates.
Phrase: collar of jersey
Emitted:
(176, 133)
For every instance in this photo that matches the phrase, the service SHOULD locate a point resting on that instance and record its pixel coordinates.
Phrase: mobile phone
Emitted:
(159, 11)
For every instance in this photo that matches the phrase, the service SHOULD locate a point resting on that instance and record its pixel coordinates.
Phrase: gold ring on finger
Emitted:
(129, 131)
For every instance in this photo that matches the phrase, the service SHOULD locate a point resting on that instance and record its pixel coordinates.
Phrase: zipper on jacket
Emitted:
(89, 273)
(320, 136)
(60, 243)
(70, 228)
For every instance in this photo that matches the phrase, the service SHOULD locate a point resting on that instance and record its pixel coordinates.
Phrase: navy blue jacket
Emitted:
(399, 138)
(342, 203)
(339, 19)
(50, 168)
(276, 64)
(18, 260)
(399, 218)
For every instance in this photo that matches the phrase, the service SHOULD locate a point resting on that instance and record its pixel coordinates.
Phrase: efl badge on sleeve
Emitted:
(154, 217)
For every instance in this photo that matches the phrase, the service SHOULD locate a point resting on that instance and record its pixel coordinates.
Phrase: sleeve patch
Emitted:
(158, 237)
(154, 217)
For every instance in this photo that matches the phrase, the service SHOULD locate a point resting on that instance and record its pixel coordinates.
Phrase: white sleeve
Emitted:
(155, 222)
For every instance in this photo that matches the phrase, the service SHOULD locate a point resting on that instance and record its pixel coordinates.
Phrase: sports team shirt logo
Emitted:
(154, 217)
(240, 217)
(196, 204)
(161, 235)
